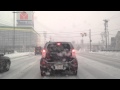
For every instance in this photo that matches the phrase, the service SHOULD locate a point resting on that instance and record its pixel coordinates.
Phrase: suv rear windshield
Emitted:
(58, 47)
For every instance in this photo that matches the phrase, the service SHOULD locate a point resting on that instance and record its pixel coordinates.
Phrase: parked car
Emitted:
(4, 63)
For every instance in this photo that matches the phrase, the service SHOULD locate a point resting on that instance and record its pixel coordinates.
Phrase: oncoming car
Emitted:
(58, 57)
(4, 63)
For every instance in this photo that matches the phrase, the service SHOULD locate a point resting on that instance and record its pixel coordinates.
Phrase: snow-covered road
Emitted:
(91, 66)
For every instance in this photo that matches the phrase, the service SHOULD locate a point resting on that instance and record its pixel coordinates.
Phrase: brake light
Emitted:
(44, 53)
(75, 62)
(58, 44)
(73, 53)
(43, 62)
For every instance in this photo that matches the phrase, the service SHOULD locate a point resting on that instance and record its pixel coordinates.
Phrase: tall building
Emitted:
(21, 36)
(25, 38)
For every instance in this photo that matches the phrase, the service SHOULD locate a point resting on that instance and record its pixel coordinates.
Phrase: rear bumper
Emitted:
(50, 66)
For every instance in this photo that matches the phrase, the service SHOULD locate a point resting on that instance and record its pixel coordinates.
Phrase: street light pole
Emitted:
(14, 30)
(90, 39)
(106, 34)
(83, 35)
(45, 37)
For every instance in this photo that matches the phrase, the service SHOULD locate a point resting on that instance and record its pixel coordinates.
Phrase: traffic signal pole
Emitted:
(106, 36)
(14, 30)
(90, 39)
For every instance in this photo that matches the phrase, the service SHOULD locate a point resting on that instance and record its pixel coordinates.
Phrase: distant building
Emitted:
(94, 47)
(25, 38)
(113, 43)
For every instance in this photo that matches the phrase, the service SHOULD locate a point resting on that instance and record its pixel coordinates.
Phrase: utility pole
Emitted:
(14, 30)
(45, 36)
(106, 32)
(82, 41)
(108, 37)
(50, 39)
(102, 41)
(82, 35)
(90, 39)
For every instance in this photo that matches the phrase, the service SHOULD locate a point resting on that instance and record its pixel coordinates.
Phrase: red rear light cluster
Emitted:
(73, 53)
(43, 62)
(43, 53)
(75, 63)
(58, 44)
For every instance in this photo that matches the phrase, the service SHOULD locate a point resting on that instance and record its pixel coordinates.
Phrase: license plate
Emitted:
(58, 67)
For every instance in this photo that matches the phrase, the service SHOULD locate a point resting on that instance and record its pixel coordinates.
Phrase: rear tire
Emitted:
(7, 66)
(75, 73)
(1, 69)
(2, 66)
(42, 74)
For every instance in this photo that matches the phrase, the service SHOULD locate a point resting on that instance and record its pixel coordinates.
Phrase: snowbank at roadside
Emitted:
(114, 54)
(16, 54)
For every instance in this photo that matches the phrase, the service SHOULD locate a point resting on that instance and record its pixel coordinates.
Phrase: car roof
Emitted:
(59, 42)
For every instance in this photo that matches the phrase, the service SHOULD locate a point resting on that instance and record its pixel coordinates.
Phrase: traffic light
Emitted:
(85, 34)
(82, 34)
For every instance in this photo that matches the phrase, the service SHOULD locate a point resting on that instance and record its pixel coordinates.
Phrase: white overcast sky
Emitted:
(68, 24)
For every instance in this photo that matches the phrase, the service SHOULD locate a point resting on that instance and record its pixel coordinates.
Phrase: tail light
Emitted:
(43, 53)
(58, 44)
(75, 63)
(43, 62)
(73, 53)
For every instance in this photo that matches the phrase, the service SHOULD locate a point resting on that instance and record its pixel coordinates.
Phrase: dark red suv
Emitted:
(58, 57)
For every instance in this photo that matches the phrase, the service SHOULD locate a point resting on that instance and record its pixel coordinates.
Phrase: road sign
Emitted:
(25, 22)
(23, 16)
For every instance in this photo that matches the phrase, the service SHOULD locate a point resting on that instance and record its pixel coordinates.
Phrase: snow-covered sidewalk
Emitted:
(106, 53)
(113, 54)
(16, 55)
